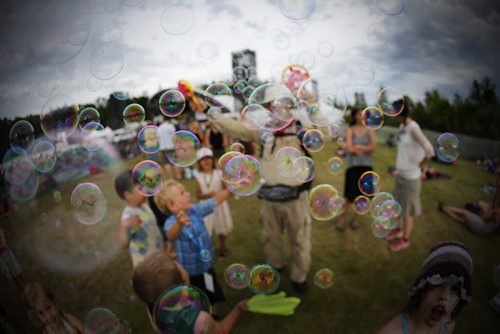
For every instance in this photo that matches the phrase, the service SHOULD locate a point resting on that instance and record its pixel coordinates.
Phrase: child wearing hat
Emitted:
(208, 183)
(438, 294)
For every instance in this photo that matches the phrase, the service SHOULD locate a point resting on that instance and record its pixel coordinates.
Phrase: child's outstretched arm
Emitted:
(125, 226)
(182, 220)
(222, 196)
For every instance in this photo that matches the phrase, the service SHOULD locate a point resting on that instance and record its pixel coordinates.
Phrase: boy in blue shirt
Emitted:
(186, 229)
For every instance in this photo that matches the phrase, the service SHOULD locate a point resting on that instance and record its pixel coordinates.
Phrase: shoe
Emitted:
(340, 225)
(399, 245)
(354, 224)
(300, 288)
(394, 234)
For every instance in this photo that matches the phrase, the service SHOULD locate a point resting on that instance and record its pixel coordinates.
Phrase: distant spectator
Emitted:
(479, 224)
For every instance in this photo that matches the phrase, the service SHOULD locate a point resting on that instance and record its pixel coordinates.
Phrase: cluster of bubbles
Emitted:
(386, 212)
(244, 80)
(89, 203)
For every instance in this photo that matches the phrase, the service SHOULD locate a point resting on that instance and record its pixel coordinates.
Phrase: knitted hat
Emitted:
(447, 262)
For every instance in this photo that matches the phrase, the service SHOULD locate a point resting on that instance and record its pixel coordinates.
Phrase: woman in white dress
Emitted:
(208, 183)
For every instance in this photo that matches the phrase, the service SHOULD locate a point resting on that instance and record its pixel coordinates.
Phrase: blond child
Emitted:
(139, 231)
(54, 320)
(208, 183)
(156, 275)
(186, 230)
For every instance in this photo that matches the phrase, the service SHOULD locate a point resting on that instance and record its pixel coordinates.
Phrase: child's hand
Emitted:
(242, 305)
(183, 218)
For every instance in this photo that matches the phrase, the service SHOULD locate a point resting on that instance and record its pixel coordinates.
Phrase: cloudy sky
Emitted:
(80, 50)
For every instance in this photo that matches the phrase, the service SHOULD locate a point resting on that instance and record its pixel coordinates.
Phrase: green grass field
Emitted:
(84, 267)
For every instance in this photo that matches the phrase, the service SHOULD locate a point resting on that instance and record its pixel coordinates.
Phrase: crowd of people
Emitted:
(167, 234)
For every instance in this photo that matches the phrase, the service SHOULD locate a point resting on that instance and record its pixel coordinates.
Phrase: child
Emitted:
(138, 229)
(157, 274)
(438, 295)
(189, 235)
(43, 302)
(208, 183)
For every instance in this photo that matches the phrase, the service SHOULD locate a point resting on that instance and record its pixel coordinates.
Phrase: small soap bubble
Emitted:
(147, 176)
(134, 114)
(205, 256)
(390, 101)
(369, 183)
(313, 140)
(185, 152)
(177, 19)
(335, 165)
(372, 118)
(304, 169)
(215, 91)
(284, 159)
(89, 203)
(237, 276)
(447, 147)
(172, 103)
(361, 204)
(324, 278)
(325, 202)
(264, 279)
(21, 135)
(148, 139)
(237, 147)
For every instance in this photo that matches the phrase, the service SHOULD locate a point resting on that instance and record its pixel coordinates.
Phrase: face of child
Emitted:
(207, 164)
(438, 304)
(135, 197)
(182, 201)
(48, 313)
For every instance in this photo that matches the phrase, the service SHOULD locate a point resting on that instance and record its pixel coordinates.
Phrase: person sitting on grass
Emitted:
(49, 313)
(156, 275)
(139, 231)
(483, 224)
(186, 229)
(439, 293)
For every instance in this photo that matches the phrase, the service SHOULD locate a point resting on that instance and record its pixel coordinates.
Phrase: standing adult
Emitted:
(215, 140)
(165, 130)
(284, 200)
(414, 150)
(360, 144)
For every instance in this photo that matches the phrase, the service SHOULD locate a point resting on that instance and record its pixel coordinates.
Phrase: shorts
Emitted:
(478, 226)
(407, 193)
(215, 297)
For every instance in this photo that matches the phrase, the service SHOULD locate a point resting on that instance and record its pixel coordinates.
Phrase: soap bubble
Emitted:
(134, 114)
(185, 152)
(147, 176)
(89, 203)
(177, 19)
(148, 139)
(447, 147)
(172, 103)
(264, 279)
(21, 135)
(237, 276)
(324, 278)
